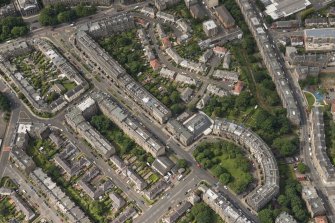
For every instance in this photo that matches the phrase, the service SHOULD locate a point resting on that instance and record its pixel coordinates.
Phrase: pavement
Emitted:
(10, 130)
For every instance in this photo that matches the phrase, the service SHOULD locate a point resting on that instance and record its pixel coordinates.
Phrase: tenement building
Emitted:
(27, 7)
(78, 115)
(269, 186)
(319, 39)
(114, 73)
(76, 2)
(276, 71)
(321, 159)
(223, 207)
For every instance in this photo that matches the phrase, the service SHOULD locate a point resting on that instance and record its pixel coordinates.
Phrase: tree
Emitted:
(266, 216)
(218, 170)
(19, 31)
(202, 213)
(4, 103)
(225, 178)
(101, 123)
(182, 163)
(302, 168)
(286, 147)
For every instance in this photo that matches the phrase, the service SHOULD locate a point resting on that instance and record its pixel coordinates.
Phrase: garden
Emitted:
(99, 210)
(43, 75)
(227, 162)
(201, 213)
(127, 50)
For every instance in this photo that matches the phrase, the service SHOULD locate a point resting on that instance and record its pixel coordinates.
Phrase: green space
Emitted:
(125, 147)
(289, 199)
(127, 50)
(53, 15)
(309, 81)
(189, 50)
(12, 27)
(302, 168)
(310, 99)
(180, 10)
(98, 211)
(42, 75)
(258, 107)
(330, 134)
(227, 162)
(264, 114)
(8, 183)
(4, 103)
(8, 211)
(68, 85)
(201, 213)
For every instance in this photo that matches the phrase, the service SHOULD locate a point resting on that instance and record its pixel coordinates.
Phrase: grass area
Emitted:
(8, 183)
(68, 85)
(201, 213)
(189, 50)
(38, 71)
(8, 211)
(227, 162)
(310, 99)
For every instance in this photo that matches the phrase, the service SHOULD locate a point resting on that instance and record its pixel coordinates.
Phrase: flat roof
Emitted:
(325, 32)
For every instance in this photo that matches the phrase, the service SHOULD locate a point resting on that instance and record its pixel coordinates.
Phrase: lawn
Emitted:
(310, 99)
(227, 162)
(8, 183)
(69, 85)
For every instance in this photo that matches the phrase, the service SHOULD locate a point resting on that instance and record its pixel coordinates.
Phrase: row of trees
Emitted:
(289, 201)
(55, 14)
(4, 103)
(12, 27)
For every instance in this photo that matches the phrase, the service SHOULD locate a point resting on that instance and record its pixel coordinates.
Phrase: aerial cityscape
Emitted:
(167, 111)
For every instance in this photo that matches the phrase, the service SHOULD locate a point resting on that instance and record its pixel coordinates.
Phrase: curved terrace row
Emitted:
(269, 186)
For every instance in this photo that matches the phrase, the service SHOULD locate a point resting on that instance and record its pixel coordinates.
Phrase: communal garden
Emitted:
(126, 148)
(227, 162)
(43, 76)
